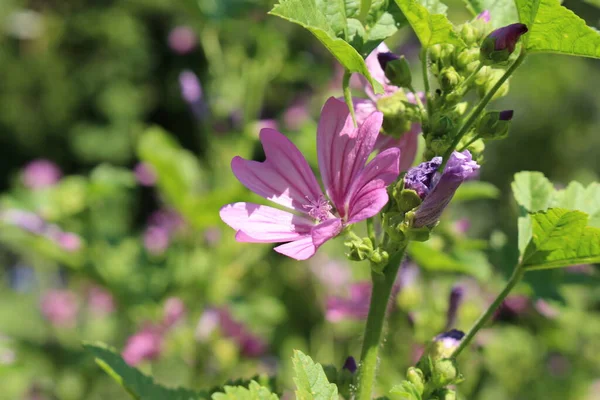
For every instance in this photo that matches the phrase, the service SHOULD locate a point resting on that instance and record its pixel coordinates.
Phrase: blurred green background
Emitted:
(138, 106)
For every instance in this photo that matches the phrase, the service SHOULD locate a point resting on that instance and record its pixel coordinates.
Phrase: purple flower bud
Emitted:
(144, 345)
(435, 189)
(182, 40)
(506, 115)
(144, 173)
(174, 310)
(386, 57)
(456, 298)
(60, 307)
(500, 44)
(484, 16)
(450, 339)
(39, 174)
(350, 364)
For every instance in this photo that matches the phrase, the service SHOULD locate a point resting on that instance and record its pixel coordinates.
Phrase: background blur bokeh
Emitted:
(118, 120)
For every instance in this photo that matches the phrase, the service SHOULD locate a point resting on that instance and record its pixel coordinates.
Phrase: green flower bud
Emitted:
(416, 377)
(469, 34)
(435, 52)
(398, 113)
(494, 124)
(446, 54)
(379, 259)
(449, 79)
(360, 249)
(396, 69)
(446, 394)
(445, 372)
(466, 57)
(407, 200)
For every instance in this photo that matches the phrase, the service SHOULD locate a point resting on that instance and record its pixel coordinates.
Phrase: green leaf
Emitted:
(433, 259)
(311, 381)
(476, 190)
(138, 385)
(502, 12)
(253, 392)
(556, 29)
(532, 190)
(382, 22)
(307, 14)
(430, 28)
(577, 197)
(561, 238)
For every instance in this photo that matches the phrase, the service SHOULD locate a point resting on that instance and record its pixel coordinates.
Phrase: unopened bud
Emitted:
(469, 34)
(494, 124)
(350, 365)
(500, 44)
(484, 16)
(446, 394)
(407, 200)
(396, 69)
(415, 376)
(360, 249)
(379, 259)
(449, 79)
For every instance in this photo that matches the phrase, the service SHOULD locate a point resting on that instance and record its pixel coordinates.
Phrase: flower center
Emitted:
(319, 209)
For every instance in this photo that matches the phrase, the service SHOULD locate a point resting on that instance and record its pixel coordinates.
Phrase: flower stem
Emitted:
(348, 94)
(365, 6)
(481, 106)
(426, 82)
(380, 295)
(514, 279)
(371, 231)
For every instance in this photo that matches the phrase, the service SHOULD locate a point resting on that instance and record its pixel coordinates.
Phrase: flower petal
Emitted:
(301, 249)
(326, 230)
(263, 224)
(284, 177)
(408, 144)
(368, 194)
(377, 73)
(342, 149)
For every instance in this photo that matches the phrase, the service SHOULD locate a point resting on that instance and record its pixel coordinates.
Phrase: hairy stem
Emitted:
(371, 231)
(481, 106)
(426, 82)
(514, 279)
(348, 94)
(382, 288)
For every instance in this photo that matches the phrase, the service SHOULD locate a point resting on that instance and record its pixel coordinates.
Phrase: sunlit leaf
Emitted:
(561, 238)
(432, 259)
(577, 197)
(502, 12)
(554, 28)
(254, 391)
(430, 28)
(311, 381)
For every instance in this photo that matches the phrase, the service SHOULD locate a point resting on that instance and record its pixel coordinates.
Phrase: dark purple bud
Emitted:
(500, 44)
(484, 16)
(456, 298)
(385, 58)
(450, 339)
(506, 115)
(435, 189)
(350, 364)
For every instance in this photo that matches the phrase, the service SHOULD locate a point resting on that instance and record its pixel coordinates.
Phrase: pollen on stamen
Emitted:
(319, 209)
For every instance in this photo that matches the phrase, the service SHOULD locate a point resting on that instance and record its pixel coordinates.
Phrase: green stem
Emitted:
(470, 142)
(348, 94)
(470, 78)
(426, 82)
(382, 288)
(371, 232)
(481, 106)
(365, 6)
(514, 279)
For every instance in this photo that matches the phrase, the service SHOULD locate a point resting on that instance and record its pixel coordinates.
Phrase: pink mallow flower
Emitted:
(40, 174)
(355, 306)
(357, 191)
(173, 311)
(409, 141)
(143, 346)
(60, 307)
(182, 39)
(100, 301)
(145, 174)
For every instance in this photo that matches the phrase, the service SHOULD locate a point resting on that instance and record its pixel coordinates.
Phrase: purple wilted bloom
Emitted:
(156, 239)
(40, 174)
(191, 91)
(182, 39)
(174, 310)
(60, 307)
(350, 365)
(143, 346)
(484, 16)
(435, 189)
(144, 173)
(355, 306)
(357, 191)
(456, 299)
(100, 301)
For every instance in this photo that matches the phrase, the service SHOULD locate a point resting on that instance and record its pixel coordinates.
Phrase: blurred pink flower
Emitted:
(144, 173)
(60, 308)
(357, 189)
(182, 39)
(25, 220)
(143, 346)
(174, 310)
(207, 324)
(100, 301)
(333, 274)
(41, 173)
(355, 306)
(296, 115)
(69, 241)
(156, 240)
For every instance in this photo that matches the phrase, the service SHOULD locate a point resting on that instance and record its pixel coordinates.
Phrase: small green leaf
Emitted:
(502, 12)
(577, 197)
(561, 238)
(467, 262)
(311, 381)
(476, 190)
(307, 14)
(555, 29)
(430, 28)
(253, 392)
(138, 385)
(532, 190)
